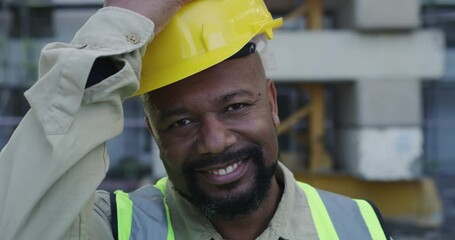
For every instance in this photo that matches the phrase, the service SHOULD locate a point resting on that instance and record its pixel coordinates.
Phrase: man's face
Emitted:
(217, 138)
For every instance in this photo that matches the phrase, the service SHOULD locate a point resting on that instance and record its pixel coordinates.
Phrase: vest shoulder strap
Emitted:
(339, 217)
(148, 216)
(161, 185)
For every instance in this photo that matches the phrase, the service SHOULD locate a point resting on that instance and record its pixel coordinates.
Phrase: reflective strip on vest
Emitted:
(321, 217)
(143, 214)
(146, 216)
(339, 217)
(371, 220)
(161, 185)
(125, 210)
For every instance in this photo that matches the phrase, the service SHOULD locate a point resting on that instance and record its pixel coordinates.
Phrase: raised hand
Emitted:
(159, 11)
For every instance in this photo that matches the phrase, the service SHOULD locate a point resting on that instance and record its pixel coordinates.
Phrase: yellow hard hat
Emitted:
(202, 34)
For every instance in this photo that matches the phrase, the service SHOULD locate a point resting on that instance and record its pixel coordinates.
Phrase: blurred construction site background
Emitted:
(366, 90)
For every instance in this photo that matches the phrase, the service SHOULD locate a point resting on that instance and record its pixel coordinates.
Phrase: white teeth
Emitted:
(225, 171)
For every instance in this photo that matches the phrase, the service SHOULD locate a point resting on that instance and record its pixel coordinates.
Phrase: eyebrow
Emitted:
(174, 112)
(221, 99)
(236, 93)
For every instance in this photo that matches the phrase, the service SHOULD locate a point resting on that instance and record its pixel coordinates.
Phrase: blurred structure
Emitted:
(371, 59)
(364, 86)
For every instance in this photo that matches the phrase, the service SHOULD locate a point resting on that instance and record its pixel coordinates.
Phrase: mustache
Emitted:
(228, 157)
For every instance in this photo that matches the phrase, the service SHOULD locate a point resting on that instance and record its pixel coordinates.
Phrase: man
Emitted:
(215, 127)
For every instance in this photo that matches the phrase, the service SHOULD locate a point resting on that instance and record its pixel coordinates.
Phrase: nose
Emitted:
(214, 136)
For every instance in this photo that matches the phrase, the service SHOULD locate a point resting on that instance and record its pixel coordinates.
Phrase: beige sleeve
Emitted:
(57, 156)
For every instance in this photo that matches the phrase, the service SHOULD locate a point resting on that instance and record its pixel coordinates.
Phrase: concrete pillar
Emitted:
(379, 134)
(371, 15)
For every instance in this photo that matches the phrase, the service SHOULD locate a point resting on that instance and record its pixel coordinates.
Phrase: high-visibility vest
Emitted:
(144, 214)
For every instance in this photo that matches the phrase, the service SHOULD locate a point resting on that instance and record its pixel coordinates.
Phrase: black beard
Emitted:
(230, 206)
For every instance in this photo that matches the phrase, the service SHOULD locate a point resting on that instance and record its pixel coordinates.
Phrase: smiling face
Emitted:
(216, 132)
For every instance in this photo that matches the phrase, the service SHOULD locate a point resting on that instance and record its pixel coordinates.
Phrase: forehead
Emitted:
(237, 74)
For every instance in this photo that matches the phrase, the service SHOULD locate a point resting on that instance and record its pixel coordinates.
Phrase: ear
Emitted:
(271, 90)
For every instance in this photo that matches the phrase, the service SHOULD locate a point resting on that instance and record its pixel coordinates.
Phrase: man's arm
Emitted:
(57, 156)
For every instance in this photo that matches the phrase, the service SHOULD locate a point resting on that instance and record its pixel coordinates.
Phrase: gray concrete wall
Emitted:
(383, 15)
(348, 55)
(380, 103)
(379, 132)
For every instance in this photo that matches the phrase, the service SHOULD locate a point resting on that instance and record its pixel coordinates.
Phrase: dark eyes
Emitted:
(187, 121)
(180, 123)
(235, 106)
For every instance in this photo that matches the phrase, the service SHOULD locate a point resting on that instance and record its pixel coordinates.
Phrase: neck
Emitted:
(251, 226)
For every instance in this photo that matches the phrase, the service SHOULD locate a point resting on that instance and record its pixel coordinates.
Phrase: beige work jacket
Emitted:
(57, 156)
